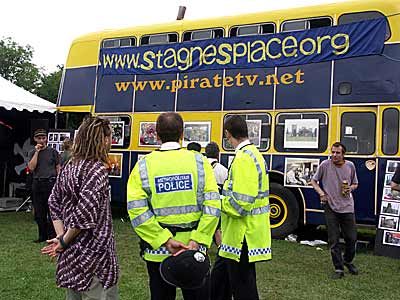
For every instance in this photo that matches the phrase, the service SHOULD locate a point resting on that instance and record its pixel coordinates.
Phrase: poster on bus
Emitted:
(199, 132)
(301, 133)
(391, 166)
(117, 128)
(148, 135)
(391, 208)
(388, 222)
(254, 131)
(299, 171)
(391, 238)
(115, 165)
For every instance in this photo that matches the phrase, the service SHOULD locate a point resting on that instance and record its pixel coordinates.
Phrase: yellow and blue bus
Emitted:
(302, 78)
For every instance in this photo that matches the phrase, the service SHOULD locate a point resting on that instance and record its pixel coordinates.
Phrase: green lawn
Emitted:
(296, 271)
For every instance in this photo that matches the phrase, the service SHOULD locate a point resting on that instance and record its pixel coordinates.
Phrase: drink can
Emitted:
(345, 185)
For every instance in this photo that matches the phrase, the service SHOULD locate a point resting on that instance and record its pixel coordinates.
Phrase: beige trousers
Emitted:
(95, 292)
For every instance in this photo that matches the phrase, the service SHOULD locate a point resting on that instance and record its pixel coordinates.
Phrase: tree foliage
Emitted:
(49, 84)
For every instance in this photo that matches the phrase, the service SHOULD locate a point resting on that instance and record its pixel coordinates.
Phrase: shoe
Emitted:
(338, 274)
(352, 268)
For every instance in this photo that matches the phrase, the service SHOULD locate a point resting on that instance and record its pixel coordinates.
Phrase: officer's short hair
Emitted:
(169, 127)
(237, 126)
(338, 144)
(194, 146)
(212, 150)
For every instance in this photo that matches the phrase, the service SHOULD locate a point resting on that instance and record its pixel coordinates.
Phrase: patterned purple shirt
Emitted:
(80, 198)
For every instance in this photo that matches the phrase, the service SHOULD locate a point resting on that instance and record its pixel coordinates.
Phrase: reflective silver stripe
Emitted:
(164, 251)
(181, 225)
(259, 251)
(144, 177)
(200, 179)
(137, 204)
(175, 210)
(142, 218)
(259, 171)
(263, 194)
(239, 196)
(211, 196)
(230, 249)
(237, 207)
(254, 211)
(260, 210)
(208, 210)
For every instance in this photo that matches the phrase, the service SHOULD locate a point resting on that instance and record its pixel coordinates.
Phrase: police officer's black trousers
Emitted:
(160, 290)
(41, 190)
(220, 286)
(242, 276)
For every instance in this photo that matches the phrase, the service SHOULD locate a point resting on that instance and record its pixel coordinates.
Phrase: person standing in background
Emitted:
(66, 149)
(44, 163)
(339, 179)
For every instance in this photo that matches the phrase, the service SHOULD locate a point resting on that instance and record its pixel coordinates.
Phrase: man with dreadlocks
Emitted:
(81, 214)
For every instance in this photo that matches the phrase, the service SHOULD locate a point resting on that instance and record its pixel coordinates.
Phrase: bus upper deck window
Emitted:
(296, 25)
(111, 43)
(252, 29)
(125, 42)
(203, 34)
(361, 16)
(159, 39)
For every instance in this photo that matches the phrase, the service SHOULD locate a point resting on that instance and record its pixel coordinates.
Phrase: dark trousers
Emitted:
(41, 190)
(242, 276)
(220, 286)
(160, 290)
(345, 223)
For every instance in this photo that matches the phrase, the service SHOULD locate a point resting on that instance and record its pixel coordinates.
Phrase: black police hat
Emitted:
(187, 270)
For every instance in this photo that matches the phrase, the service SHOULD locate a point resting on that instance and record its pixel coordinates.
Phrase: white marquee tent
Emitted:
(12, 96)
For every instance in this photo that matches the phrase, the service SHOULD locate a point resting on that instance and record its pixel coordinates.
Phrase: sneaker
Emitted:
(352, 268)
(338, 274)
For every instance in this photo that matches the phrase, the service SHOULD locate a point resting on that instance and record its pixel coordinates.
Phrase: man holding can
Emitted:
(339, 179)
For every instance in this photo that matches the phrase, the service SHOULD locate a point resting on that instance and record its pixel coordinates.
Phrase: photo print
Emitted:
(199, 132)
(299, 171)
(389, 194)
(388, 222)
(148, 135)
(254, 130)
(117, 133)
(64, 135)
(391, 166)
(390, 208)
(50, 137)
(388, 179)
(115, 165)
(391, 238)
(301, 133)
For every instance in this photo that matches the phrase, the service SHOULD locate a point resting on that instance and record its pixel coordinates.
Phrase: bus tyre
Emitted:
(284, 211)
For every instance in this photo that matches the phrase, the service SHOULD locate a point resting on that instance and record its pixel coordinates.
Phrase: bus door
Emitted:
(356, 128)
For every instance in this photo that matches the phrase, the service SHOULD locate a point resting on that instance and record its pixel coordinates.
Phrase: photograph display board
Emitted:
(301, 133)
(299, 171)
(148, 135)
(55, 139)
(199, 132)
(117, 133)
(254, 131)
(115, 165)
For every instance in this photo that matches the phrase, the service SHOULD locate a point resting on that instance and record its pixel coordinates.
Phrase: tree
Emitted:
(16, 64)
(49, 84)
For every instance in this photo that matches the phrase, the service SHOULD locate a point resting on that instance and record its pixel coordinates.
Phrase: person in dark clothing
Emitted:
(44, 164)
(193, 146)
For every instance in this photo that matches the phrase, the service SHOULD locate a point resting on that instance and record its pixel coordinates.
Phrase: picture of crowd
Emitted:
(299, 172)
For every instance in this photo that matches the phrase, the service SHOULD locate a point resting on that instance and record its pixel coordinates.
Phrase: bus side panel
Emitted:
(373, 79)
(78, 86)
(109, 98)
(118, 184)
(204, 92)
(254, 93)
(152, 98)
(225, 159)
(310, 86)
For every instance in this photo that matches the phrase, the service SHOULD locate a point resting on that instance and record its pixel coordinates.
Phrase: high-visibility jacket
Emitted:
(174, 188)
(245, 207)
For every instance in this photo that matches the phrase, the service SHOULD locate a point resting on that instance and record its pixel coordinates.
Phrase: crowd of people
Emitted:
(179, 202)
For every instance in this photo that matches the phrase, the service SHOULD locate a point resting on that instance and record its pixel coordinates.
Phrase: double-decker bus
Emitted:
(302, 78)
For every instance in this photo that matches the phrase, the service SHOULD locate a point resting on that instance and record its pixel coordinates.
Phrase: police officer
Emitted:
(173, 203)
(246, 234)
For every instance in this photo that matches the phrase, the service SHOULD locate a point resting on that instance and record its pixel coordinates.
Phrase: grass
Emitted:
(296, 271)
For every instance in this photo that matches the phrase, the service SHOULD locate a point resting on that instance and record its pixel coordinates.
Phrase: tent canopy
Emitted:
(12, 96)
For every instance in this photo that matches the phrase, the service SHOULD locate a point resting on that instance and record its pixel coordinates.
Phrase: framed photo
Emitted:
(390, 208)
(199, 132)
(148, 135)
(301, 133)
(64, 135)
(55, 137)
(391, 238)
(254, 130)
(388, 222)
(115, 165)
(391, 166)
(117, 133)
(388, 179)
(389, 194)
(50, 137)
(230, 159)
(299, 171)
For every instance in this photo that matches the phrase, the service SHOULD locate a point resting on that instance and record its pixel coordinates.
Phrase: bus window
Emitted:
(295, 25)
(159, 39)
(121, 130)
(203, 34)
(353, 133)
(361, 16)
(259, 129)
(252, 29)
(111, 43)
(301, 132)
(122, 42)
(390, 131)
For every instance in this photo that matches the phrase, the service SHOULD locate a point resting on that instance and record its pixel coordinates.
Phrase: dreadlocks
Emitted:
(90, 142)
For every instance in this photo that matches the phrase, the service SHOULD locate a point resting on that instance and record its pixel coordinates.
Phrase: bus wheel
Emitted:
(284, 211)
